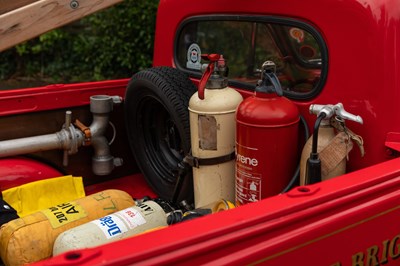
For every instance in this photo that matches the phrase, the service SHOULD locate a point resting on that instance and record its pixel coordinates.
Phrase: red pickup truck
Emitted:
(337, 57)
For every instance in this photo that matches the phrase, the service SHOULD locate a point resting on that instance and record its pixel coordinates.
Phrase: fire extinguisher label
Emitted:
(111, 226)
(248, 186)
(120, 222)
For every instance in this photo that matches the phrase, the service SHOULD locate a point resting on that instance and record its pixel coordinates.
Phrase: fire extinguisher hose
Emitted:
(313, 168)
(297, 171)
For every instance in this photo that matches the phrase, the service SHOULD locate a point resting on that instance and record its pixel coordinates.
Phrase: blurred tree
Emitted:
(110, 44)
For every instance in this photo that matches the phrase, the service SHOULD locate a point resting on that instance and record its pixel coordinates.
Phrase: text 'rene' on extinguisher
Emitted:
(266, 140)
(324, 114)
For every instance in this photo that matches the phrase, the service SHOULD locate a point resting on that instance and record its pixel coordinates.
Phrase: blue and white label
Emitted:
(194, 57)
(120, 222)
(111, 225)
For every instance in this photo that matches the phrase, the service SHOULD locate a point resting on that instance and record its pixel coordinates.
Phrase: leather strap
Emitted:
(334, 153)
(356, 138)
(197, 162)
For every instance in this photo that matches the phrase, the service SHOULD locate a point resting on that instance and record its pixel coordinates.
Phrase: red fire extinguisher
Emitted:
(267, 126)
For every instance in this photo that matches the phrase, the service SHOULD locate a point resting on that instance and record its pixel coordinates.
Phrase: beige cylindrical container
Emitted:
(31, 238)
(212, 126)
(332, 149)
(128, 222)
(325, 135)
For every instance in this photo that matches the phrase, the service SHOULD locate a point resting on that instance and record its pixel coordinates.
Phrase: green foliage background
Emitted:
(110, 44)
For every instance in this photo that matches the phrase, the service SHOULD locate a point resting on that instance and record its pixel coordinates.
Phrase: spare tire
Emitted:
(157, 121)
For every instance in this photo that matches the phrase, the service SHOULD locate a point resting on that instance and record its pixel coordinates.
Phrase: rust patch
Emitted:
(207, 132)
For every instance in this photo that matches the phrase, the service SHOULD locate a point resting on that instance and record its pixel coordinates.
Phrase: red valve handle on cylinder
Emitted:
(209, 70)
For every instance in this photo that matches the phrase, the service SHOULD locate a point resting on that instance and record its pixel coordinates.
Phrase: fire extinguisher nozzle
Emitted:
(314, 156)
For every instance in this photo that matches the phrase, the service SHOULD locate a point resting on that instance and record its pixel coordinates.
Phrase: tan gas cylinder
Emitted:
(332, 147)
(213, 126)
(325, 136)
(122, 224)
(31, 238)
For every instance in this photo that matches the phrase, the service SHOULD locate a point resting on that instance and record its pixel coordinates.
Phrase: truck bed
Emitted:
(335, 222)
(348, 220)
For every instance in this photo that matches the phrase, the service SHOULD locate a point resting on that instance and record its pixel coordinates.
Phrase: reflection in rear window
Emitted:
(297, 51)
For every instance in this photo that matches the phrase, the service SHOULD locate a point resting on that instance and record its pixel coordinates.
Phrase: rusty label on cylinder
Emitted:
(207, 132)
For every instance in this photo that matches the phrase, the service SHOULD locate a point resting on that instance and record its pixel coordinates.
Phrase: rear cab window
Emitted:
(246, 43)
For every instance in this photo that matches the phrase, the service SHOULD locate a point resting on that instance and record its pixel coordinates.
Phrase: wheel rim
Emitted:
(162, 140)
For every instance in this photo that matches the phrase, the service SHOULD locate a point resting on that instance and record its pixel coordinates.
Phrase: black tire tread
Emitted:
(177, 89)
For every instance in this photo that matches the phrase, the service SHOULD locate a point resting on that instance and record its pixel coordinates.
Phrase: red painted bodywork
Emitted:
(349, 220)
(56, 96)
(18, 171)
(363, 57)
